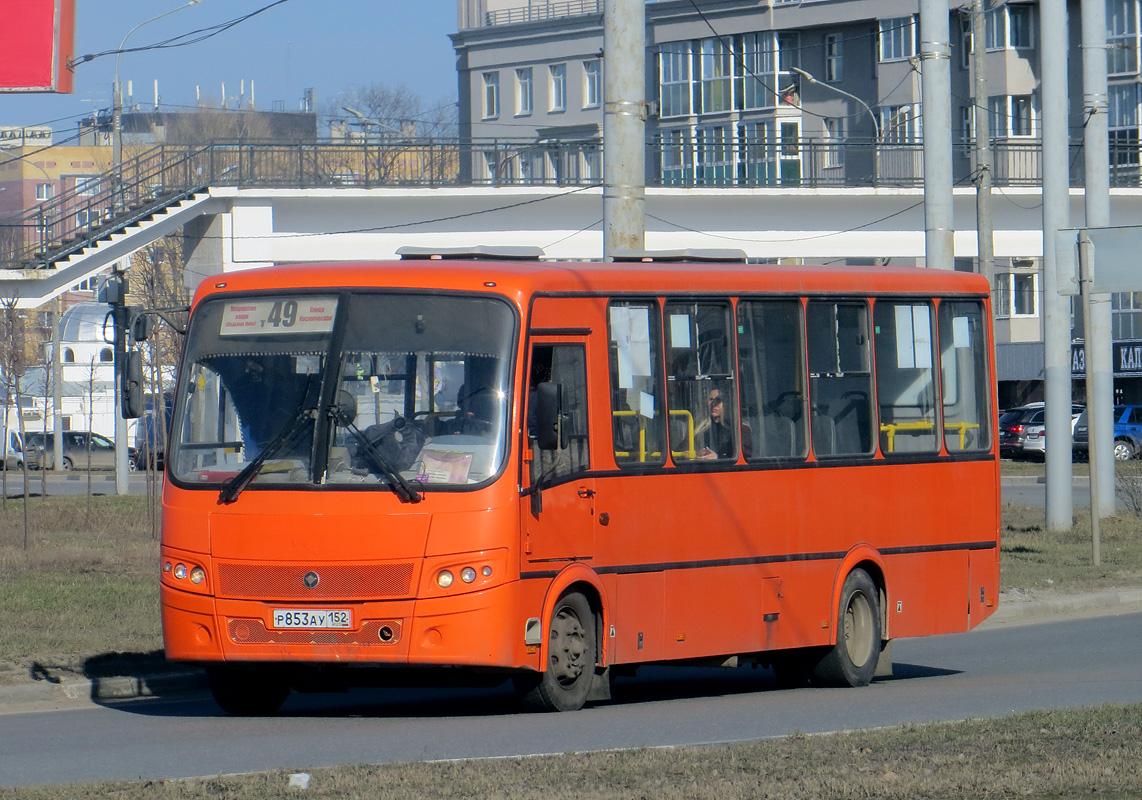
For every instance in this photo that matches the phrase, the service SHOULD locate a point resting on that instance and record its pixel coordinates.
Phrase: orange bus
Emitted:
(553, 472)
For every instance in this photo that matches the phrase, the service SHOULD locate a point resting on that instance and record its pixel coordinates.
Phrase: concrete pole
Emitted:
(936, 87)
(1099, 347)
(624, 125)
(985, 229)
(1056, 308)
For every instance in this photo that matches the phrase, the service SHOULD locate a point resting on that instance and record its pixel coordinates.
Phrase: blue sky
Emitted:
(330, 45)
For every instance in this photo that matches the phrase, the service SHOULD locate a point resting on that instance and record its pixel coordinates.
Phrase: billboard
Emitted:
(37, 40)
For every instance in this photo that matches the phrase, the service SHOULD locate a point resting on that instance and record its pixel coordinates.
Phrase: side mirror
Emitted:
(549, 433)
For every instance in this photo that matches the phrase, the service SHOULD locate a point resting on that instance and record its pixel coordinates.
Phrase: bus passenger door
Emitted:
(563, 528)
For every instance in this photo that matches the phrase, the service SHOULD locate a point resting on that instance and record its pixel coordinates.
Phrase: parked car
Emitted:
(1127, 433)
(77, 445)
(1023, 430)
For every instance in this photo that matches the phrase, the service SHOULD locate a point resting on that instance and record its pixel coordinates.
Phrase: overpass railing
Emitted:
(95, 207)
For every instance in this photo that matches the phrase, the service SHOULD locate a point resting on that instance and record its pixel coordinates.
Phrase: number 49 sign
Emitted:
(258, 317)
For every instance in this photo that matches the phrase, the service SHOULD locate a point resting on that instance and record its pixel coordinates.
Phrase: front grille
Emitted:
(336, 581)
(254, 631)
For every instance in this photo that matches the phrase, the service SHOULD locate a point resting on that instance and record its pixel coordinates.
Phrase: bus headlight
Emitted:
(467, 574)
(180, 571)
(444, 579)
(197, 575)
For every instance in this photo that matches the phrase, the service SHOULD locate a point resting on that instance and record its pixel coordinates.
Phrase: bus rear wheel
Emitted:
(572, 652)
(852, 660)
(247, 692)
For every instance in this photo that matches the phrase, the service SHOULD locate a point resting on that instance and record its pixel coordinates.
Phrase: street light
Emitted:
(872, 116)
(365, 121)
(117, 101)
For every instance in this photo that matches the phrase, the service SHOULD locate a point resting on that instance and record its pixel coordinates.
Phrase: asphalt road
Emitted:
(73, 483)
(992, 672)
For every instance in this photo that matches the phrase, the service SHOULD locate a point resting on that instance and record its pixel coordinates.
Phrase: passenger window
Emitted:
(772, 363)
(840, 381)
(905, 379)
(966, 382)
(700, 388)
(637, 407)
(565, 365)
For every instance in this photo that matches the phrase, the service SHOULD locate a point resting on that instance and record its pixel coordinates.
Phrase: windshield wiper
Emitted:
(404, 490)
(234, 486)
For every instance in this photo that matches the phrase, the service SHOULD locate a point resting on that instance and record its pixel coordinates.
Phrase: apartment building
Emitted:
(793, 93)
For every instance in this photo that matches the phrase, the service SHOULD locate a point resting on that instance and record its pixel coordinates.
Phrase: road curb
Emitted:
(114, 687)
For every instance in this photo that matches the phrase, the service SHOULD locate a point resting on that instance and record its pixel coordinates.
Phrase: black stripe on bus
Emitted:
(669, 566)
(559, 331)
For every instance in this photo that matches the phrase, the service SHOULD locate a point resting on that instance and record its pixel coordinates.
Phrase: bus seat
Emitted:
(824, 434)
(780, 436)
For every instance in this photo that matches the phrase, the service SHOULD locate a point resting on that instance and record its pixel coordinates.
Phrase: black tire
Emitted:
(852, 660)
(67, 465)
(247, 692)
(572, 652)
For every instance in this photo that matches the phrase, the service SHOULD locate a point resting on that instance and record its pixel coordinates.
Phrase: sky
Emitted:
(333, 46)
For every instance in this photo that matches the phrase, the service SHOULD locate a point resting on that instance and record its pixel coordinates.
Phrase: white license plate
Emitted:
(313, 618)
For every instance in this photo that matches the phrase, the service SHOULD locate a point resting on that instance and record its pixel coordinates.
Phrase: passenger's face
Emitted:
(715, 402)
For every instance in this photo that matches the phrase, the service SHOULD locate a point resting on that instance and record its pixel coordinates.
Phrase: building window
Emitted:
(1011, 116)
(68, 355)
(833, 53)
(523, 92)
(834, 141)
(966, 44)
(592, 83)
(674, 80)
(1016, 294)
(491, 95)
(715, 155)
(1009, 26)
(897, 39)
(45, 191)
(766, 58)
(1126, 315)
(558, 87)
(898, 124)
(715, 71)
(1122, 37)
(967, 123)
(106, 355)
(1122, 119)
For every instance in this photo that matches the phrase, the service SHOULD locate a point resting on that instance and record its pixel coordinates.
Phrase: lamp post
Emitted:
(365, 121)
(117, 101)
(871, 115)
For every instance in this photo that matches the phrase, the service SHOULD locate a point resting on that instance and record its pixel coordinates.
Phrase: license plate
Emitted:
(312, 618)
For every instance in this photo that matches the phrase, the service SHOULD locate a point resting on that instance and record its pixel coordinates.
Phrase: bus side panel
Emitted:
(927, 594)
(983, 585)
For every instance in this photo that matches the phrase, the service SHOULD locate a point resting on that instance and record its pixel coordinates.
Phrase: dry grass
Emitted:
(83, 590)
(1058, 754)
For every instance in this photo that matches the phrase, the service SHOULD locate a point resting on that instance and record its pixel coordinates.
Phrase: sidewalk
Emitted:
(1016, 608)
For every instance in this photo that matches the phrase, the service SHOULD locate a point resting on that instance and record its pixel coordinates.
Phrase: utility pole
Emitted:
(935, 75)
(985, 237)
(1056, 308)
(1096, 148)
(624, 125)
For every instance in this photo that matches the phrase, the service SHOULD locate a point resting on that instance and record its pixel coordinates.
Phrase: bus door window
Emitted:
(701, 395)
(772, 363)
(840, 380)
(638, 411)
(964, 376)
(566, 365)
(905, 379)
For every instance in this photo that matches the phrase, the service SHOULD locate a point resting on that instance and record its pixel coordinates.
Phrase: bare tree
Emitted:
(13, 361)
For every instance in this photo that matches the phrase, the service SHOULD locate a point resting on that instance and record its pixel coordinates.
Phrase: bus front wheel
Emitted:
(572, 651)
(247, 692)
(852, 661)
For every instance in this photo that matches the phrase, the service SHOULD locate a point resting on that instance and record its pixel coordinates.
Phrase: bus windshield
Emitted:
(388, 391)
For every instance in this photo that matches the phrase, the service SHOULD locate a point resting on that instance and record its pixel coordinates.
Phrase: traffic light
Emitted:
(128, 363)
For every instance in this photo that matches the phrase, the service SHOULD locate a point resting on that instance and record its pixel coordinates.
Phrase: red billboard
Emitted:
(37, 40)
